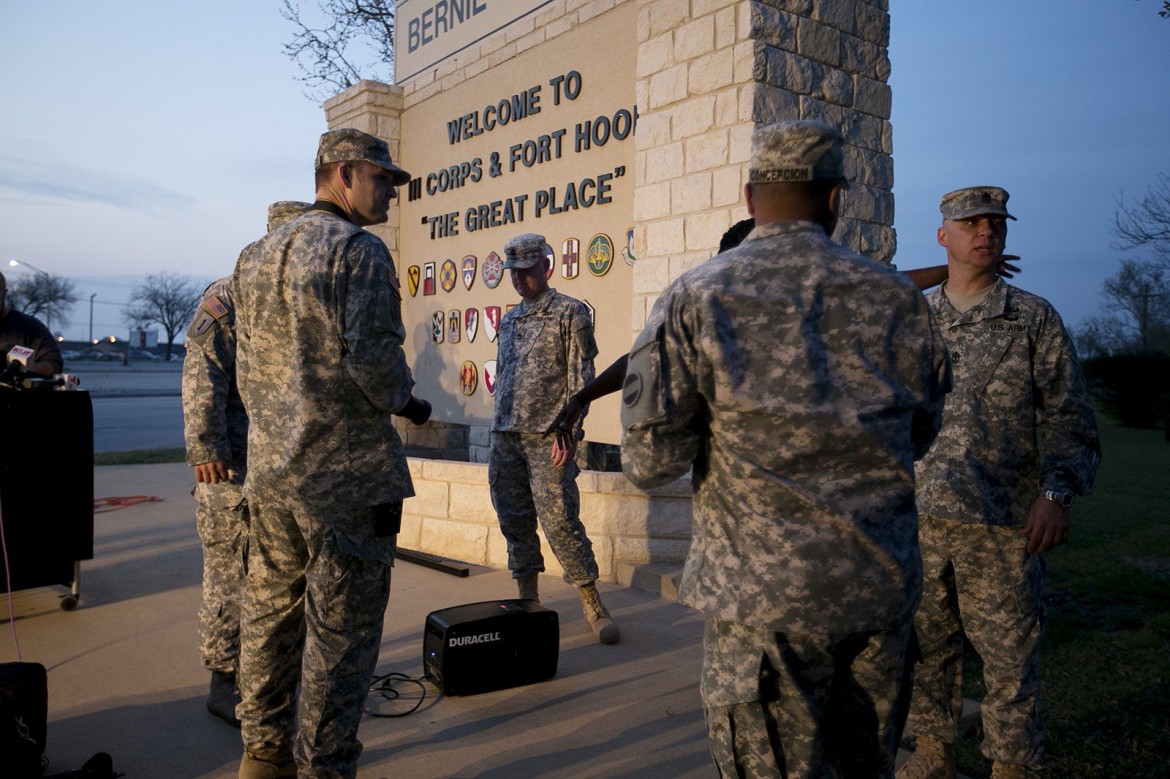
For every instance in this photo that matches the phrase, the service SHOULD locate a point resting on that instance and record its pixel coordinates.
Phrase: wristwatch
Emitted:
(1063, 498)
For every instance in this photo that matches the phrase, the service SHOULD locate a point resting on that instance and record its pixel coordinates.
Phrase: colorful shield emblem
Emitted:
(628, 252)
(471, 323)
(413, 276)
(570, 253)
(448, 275)
(469, 263)
(491, 321)
(550, 261)
(454, 325)
(438, 321)
(429, 278)
(468, 377)
(492, 270)
(599, 258)
(489, 377)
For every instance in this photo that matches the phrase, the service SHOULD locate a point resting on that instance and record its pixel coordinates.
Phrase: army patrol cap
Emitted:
(796, 150)
(283, 210)
(350, 145)
(974, 201)
(524, 251)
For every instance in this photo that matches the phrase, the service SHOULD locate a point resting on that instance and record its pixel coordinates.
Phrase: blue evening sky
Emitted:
(140, 136)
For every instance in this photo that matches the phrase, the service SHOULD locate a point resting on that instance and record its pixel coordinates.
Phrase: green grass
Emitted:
(1106, 673)
(140, 457)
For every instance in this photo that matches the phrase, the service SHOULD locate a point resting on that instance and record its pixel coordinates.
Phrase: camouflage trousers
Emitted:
(221, 517)
(981, 581)
(524, 487)
(803, 706)
(314, 600)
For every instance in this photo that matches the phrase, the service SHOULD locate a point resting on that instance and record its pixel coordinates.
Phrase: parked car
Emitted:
(143, 354)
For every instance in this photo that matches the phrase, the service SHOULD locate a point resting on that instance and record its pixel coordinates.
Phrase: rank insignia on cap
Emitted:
(413, 275)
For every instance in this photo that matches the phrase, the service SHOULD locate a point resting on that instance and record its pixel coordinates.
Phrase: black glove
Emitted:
(416, 410)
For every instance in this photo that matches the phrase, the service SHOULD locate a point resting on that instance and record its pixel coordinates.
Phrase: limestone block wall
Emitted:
(452, 516)
(709, 71)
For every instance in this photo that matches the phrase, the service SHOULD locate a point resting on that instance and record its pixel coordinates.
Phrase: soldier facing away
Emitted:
(799, 381)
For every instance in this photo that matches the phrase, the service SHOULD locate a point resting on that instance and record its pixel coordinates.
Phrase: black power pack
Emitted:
(493, 645)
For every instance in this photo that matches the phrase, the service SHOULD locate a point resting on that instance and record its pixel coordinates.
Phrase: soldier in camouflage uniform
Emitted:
(800, 381)
(216, 432)
(320, 369)
(1018, 441)
(545, 354)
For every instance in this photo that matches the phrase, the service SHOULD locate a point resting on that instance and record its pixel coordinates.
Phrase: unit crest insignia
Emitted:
(492, 270)
(448, 275)
(600, 255)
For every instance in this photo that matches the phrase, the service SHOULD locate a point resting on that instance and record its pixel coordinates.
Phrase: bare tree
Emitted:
(1145, 222)
(44, 295)
(1135, 312)
(166, 299)
(355, 41)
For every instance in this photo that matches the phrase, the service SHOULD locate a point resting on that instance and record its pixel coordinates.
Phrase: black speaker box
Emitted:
(493, 645)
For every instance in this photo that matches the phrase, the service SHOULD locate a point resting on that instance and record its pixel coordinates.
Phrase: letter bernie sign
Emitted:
(426, 32)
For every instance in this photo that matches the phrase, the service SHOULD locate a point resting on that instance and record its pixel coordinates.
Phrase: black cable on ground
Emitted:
(385, 686)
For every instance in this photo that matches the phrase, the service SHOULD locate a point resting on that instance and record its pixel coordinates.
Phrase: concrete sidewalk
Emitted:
(125, 677)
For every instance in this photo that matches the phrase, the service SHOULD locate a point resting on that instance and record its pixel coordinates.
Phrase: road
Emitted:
(135, 406)
(124, 423)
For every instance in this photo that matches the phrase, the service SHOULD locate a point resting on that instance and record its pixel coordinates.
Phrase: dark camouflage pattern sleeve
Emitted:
(799, 380)
(320, 366)
(215, 425)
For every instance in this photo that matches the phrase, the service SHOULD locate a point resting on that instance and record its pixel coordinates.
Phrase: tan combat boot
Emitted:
(933, 759)
(269, 764)
(1008, 771)
(528, 588)
(596, 615)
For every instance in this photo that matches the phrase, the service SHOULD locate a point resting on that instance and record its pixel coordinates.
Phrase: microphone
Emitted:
(14, 370)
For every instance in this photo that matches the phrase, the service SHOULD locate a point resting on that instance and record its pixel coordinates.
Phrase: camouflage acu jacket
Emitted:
(320, 365)
(1019, 420)
(801, 380)
(215, 425)
(544, 354)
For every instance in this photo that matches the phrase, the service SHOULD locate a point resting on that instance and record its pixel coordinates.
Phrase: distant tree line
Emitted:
(1126, 344)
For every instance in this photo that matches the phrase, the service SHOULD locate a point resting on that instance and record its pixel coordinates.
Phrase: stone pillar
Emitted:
(710, 71)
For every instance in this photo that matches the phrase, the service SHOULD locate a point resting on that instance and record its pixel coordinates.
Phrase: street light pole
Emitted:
(46, 274)
(91, 297)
